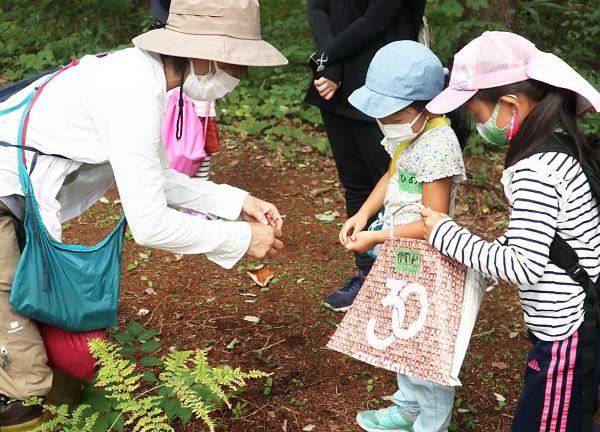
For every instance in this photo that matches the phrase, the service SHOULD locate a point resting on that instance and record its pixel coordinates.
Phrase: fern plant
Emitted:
(123, 397)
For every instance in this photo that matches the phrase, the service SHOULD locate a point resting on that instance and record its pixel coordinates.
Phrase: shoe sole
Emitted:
(23, 427)
(368, 429)
(336, 309)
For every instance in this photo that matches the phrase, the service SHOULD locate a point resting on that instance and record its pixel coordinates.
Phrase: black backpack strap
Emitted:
(35, 151)
(564, 256)
(11, 89)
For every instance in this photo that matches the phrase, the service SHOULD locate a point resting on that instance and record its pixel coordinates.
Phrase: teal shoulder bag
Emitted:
(73, 287)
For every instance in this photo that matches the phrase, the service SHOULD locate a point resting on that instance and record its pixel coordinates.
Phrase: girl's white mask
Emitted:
(210, 86)
(399, 132)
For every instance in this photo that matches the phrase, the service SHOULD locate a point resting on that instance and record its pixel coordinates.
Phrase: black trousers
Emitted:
(361, 162)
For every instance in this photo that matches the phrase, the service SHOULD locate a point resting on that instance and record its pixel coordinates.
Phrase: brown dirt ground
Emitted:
(198, 304)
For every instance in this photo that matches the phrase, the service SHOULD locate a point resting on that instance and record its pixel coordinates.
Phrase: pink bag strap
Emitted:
(39, 90)
(179, 126)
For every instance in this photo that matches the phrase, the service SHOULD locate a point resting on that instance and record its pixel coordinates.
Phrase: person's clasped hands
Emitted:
(266, 224)
(354, 239)
(324, 85)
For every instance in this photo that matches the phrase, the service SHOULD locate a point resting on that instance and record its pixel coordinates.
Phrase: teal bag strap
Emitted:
(16, 107)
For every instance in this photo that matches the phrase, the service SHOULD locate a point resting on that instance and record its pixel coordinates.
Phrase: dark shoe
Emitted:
(65, 389)
(341, 299)
(14, 416)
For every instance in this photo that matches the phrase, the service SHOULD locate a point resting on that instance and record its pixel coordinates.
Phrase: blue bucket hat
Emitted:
(400, 73)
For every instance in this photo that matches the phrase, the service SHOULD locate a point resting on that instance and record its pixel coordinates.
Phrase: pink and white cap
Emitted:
(499, 58)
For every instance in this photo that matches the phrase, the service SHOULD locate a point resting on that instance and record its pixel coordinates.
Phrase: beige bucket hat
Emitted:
(223, 30)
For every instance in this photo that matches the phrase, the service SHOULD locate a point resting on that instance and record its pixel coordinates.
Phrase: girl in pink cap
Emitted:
(528, 100)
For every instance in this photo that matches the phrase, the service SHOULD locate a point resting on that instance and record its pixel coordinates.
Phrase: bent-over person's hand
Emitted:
(326, 88)
(262, 212)
(430, 220)
(265, 241)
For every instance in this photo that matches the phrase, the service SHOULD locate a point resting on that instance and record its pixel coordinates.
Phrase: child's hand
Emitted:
(430, 220)
(365, 240)
(351, 227)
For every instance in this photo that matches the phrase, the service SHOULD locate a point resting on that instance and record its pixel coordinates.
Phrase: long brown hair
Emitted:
(556, 109)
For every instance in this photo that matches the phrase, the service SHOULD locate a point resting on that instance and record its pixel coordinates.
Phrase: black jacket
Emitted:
(347, 34)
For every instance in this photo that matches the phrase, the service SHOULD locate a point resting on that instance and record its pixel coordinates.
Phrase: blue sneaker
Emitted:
(341, 299)
(386, 419)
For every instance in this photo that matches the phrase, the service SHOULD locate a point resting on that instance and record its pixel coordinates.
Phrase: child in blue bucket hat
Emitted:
(426, 168)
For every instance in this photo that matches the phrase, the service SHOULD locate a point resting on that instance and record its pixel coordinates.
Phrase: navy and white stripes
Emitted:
(547, 192)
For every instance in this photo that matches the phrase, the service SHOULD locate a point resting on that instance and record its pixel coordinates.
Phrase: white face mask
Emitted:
(399, 132)
(210, 86)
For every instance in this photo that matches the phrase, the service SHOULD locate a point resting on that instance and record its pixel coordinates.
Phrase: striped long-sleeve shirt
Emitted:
(547, 193)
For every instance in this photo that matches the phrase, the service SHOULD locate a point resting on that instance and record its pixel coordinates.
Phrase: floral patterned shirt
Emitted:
(434, 155)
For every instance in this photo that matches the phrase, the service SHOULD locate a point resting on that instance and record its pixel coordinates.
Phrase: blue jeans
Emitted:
(432, 403)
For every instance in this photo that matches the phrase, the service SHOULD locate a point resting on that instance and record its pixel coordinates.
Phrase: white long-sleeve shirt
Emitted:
(105, 116)
(547, 193)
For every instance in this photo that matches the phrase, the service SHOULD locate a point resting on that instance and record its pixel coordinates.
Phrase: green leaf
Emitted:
(119, 424)
(151, 361)
(233, 343)
(165, 392)
(95, 398)
(147, 335)
(170, 407)
(149, 376)
(150, 346)
(124, 337)
(184, 414)
(134, 328)
(128, 350)
(327, 217)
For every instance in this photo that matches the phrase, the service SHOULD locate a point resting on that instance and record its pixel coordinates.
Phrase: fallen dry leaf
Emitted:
(261, 275)
(318, 191)
(499, 365)
(172, 258)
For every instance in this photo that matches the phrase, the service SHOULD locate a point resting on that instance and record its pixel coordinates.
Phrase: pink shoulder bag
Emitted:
(183, 135)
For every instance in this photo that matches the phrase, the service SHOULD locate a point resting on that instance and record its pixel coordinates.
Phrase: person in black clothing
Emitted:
(347, 35)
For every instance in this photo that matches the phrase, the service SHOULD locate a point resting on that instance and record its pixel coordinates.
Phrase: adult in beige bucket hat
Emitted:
(227, 31)
(103, 116)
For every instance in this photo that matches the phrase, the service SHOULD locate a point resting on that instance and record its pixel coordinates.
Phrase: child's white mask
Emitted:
(210, 86)
(396, 133)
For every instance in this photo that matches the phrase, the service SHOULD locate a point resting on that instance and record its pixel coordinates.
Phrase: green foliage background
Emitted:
(36, 35)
